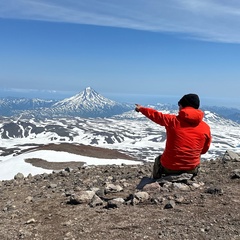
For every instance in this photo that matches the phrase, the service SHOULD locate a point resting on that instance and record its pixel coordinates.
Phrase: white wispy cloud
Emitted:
(211, 20)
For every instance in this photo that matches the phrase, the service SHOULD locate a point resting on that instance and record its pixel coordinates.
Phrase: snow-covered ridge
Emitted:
(130, 132)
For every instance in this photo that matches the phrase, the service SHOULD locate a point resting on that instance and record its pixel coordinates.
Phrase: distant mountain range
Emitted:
(228, 113)
(10, 106)
(87, 103)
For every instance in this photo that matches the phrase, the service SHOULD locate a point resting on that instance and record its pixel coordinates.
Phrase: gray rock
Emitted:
(81, 197)
(181, 186)
(30, 221)
(115, 203)
(96, 201)
(100, 193)
(28, 199)
(170, 204)
(235, 174)
(230, 156)
(120, 200)
(157, 199)
(214, 190)
(68, 169)
(196, 185)
(179, 199)
(9, 207)
(167, 185)
(111, 188)
(184, 177)
(29, 176)
(141, 196)
(19, 176)
(152, 187)
(52, 185)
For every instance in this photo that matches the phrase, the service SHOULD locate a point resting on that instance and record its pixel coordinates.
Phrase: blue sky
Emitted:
(122, 48)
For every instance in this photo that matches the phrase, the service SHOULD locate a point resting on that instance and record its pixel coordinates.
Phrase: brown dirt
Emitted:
(38, 207)
(37, 162)
(85, 150)
(80, 149)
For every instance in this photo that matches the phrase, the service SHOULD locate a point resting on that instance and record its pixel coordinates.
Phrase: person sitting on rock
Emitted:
(188, 136)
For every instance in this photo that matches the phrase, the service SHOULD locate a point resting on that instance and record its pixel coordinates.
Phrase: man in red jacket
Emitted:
(188, 136)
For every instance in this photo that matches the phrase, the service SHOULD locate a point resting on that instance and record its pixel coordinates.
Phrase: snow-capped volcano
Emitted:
(87, 99)
(89, 103)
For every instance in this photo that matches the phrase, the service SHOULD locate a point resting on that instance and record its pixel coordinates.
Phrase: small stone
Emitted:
(179, 199)
(181, 186)
(29, 176)
(82, 197)
(230, 156)
(68, 169)
(111, 188)
(19, 176)
(214, 190)
(196, 185)
(114, 203)
(158, 199)
(167, 185)
(141, 196)
(32, 220)
(120, 200)
(96, 201)
(152, 187)
(28, 199)
(10, 207)
(52, 185)
(170, 204)
(68, 223)
(235, 174)
(184, 177)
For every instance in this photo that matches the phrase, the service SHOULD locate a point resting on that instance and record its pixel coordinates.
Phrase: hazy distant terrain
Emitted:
(89, 103)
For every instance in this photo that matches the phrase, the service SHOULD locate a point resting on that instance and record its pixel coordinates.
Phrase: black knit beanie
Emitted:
(190, 100)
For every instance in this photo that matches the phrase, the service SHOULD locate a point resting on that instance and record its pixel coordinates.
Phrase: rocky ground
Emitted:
(122, 202)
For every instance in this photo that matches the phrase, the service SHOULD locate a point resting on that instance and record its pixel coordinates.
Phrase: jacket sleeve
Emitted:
(207, 143)
(156, 116)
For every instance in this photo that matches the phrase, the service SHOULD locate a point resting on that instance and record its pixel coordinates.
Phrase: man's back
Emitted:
(187, 138)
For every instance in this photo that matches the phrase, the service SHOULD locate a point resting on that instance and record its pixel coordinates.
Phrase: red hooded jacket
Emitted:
(188, 136)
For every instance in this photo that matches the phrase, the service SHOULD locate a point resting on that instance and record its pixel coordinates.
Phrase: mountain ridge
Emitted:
(87, 103)
(131, 132)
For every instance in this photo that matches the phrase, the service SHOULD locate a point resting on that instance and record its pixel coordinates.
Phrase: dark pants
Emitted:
(159, 170)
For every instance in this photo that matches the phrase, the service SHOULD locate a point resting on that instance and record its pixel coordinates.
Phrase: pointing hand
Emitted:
(138, 106)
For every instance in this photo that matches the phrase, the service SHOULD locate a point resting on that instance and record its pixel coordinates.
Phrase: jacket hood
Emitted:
(191, 115)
